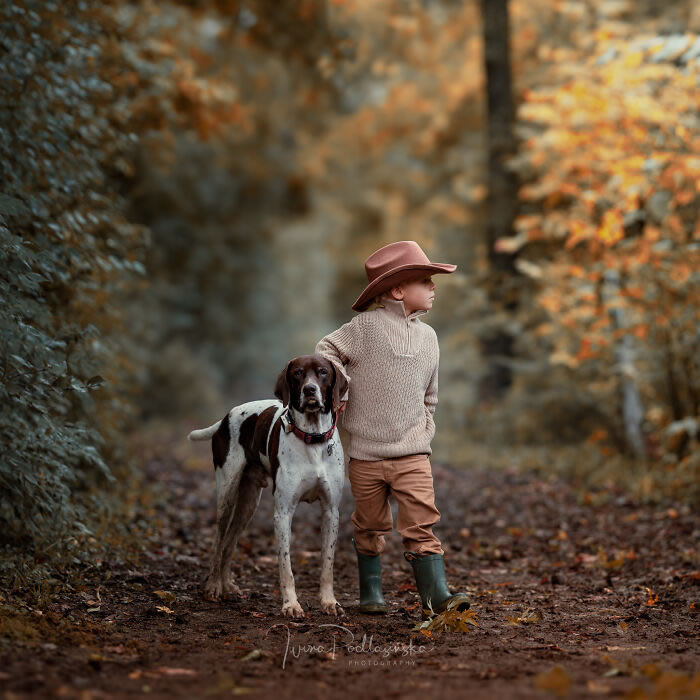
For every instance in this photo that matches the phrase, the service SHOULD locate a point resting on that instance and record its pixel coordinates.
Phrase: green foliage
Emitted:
(67, 255)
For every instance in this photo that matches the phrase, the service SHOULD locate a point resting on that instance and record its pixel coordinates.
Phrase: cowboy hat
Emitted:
(393, 264)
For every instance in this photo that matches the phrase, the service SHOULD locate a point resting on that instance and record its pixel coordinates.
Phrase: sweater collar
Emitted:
(396, 307)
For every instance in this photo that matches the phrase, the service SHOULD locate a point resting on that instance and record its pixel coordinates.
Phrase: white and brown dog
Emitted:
(296, 442)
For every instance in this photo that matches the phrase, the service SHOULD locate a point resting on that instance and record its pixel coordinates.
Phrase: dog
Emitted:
(294, 441)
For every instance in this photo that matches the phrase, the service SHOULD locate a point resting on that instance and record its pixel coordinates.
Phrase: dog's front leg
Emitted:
(329, 536)
(284, 512)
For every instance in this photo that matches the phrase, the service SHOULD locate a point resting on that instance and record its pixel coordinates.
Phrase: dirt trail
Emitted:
(599, 586)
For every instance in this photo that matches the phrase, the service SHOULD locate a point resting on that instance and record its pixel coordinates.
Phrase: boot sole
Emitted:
(374, 611)
(461, 607)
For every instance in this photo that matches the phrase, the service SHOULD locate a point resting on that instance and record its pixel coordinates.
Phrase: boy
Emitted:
(392, 370)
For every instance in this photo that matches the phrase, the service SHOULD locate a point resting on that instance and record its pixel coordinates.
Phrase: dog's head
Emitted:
(311, 384)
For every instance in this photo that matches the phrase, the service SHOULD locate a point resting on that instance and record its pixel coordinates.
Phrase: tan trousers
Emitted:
(410, 480)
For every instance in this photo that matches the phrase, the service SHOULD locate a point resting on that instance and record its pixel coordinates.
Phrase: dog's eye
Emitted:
(323, 371)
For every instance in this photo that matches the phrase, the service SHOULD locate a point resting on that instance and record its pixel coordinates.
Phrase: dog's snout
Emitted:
(309, 389)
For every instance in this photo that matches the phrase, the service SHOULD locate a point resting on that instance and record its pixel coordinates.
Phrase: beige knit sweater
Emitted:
(390, 360)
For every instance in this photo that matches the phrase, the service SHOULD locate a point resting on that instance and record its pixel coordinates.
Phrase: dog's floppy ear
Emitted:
(340, 386)
(282, 386)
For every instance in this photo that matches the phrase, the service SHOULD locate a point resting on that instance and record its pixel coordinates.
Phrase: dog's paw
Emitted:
(292, 609)
(231, 589)
(332, 607)
(213, 589)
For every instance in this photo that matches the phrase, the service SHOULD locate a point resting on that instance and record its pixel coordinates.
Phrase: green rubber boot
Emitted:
(371, 598)
(429, 570)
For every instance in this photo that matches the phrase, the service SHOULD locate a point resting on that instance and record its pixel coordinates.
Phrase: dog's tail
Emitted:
(205, 433)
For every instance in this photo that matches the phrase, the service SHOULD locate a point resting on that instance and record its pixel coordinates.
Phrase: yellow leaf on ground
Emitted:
(167, 596)
(557, 681)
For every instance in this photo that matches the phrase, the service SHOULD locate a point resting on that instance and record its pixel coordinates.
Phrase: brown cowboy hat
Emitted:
(395, 263)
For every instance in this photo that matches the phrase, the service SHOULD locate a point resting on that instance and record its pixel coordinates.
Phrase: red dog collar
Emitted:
(311, 438)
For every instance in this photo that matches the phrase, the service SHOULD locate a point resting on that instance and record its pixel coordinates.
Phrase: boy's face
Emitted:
(416, 294)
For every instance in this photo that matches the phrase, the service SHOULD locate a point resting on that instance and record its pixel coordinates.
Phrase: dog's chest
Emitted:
(312, 471)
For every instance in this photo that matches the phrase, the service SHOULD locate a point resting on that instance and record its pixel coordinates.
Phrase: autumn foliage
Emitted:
(609, 234)
(164, 163)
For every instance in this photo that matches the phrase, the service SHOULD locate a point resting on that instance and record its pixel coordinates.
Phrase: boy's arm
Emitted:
(342, 346)
(431, 398)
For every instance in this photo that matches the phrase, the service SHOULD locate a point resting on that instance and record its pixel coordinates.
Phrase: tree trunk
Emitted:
(632, 408)
(502, 184)
(502, 188)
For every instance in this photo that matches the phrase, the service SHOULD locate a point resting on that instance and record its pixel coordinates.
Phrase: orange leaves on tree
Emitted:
(680, 272)
(641, 330)
(585, 351)
(633, 292)
(611, 229)
(579, 230)
(208, 105)
(613, 182)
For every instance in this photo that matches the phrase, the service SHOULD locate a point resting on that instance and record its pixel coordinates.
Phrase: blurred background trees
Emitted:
(190, 189)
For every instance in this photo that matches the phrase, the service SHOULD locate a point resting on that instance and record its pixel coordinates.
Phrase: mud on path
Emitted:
(576, 594)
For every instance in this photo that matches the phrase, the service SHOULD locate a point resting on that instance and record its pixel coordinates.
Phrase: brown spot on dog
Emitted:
(252, 437)
(274, 451)
(262, 429)
(253, 434)
(221, 442)
(246, 433)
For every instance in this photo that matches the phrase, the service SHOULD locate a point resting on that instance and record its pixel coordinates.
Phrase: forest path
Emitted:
(603, 588)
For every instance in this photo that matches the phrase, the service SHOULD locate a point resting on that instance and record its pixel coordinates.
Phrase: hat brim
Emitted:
(398, 274)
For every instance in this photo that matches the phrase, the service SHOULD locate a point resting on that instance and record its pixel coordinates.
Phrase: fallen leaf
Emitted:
(170, 671)
(597, 687)
(451, 619)
(120, 649)
(227, 684)
(167, 596)
(252, 655)
(529, 617)
(652, 597)
(556, 680)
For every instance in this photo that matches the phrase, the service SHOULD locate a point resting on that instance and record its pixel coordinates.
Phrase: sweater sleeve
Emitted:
(431, 392)
(341, 347)
(431, 397)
